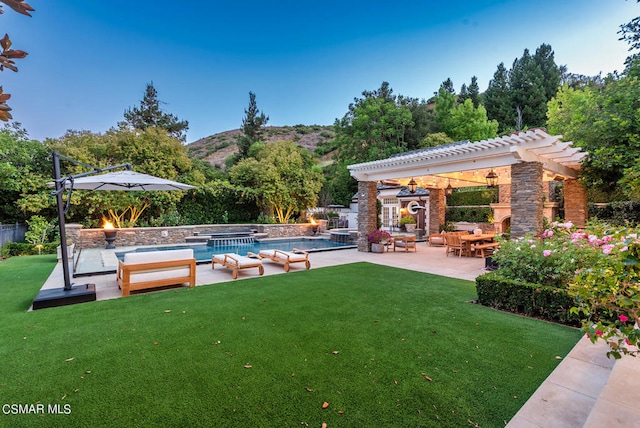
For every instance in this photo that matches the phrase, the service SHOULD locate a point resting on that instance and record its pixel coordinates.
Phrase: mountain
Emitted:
(217, 147)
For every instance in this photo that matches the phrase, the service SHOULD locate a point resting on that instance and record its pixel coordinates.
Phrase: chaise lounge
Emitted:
(287, 257)
(236, 262)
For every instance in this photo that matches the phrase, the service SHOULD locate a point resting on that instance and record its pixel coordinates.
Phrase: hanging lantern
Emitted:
(448, 191)
(492, 179)
(412, 185)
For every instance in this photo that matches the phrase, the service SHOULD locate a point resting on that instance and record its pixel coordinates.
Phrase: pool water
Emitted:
(203, 253)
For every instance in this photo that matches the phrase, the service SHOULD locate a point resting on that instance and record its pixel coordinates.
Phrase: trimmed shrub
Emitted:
(534, 300)
(471, 214)
(12, 249)
(483, 196)
(617, 213)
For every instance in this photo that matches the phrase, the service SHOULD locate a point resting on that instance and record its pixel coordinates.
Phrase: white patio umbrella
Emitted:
(125, 180)
(91, 180)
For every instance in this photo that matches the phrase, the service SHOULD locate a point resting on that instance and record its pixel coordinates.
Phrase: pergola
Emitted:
(522, 162)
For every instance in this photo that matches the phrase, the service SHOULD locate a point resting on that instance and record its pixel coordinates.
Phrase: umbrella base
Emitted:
(60, 297)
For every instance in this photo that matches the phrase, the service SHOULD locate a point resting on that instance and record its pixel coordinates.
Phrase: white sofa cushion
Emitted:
(158, 274)
(158, 256)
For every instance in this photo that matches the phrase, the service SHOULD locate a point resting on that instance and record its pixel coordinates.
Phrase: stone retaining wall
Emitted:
(94, 238)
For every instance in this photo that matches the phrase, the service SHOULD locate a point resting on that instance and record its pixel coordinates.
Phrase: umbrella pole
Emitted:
(69, 294)
(61, 221)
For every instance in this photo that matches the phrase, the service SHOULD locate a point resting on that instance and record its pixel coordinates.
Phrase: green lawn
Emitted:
(382, 346)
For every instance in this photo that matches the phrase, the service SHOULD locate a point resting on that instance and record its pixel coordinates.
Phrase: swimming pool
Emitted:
(203, 252)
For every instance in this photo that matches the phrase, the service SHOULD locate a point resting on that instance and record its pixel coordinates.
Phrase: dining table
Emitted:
(470, 239)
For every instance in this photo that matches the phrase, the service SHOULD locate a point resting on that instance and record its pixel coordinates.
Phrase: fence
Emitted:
(12, 233)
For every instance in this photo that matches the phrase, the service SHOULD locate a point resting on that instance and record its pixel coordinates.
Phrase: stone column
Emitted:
(575, 203)
(527, 202)
(436, 210)
(367, 221)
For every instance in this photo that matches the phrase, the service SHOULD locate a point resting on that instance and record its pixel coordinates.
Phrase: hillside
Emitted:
(217, 147)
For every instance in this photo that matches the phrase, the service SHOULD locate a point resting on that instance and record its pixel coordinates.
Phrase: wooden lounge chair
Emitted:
(405, 243)
(287, 257)
(236, 262)
(437, 239)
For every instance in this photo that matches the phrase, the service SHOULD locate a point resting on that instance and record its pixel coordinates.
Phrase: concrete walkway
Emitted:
(585, 390)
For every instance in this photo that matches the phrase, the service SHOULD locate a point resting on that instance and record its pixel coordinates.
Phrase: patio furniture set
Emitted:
(462, 243)
(152, 269)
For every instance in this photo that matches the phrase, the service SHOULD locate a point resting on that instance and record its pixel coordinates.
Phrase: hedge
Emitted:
(534, 300)
(482, 196)
(476, 214)
(626, 213)
(11, 249)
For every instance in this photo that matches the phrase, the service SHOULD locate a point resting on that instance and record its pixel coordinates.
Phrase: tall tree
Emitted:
(605, 122)
(474, 92)
(149, 114)
(528, 94)
(25, 168)
(374, 127)
(424, 122)
(445, 103)
(252, 124)
(544, 58)
(464, 121)
(464, 93)
(447, 85)
(497, 99)
(518, 98)
(470, 123)
(471, 92)
(151, 151)
(285, 177)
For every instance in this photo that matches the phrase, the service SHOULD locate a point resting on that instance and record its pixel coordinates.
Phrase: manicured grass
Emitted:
(382, 346)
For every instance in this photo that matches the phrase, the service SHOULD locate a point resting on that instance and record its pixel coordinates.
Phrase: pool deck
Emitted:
(585, 390)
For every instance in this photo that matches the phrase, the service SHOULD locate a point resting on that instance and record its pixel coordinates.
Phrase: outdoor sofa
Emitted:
(151, 269)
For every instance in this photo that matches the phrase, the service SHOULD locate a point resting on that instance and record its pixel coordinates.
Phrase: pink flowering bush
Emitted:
(549, 258)
(600, 269)
(607, 292)
(379, 236)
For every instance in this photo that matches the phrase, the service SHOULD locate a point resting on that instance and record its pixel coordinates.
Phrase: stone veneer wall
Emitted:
(504, 194)
(436, 210)
(575, 203)
(367, 215)
(527, 203)
(94, 238)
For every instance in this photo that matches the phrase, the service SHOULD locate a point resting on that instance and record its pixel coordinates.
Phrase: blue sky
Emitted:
(305, 60)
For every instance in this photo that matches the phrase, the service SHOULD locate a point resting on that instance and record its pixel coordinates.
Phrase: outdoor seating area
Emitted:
(462, 243)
